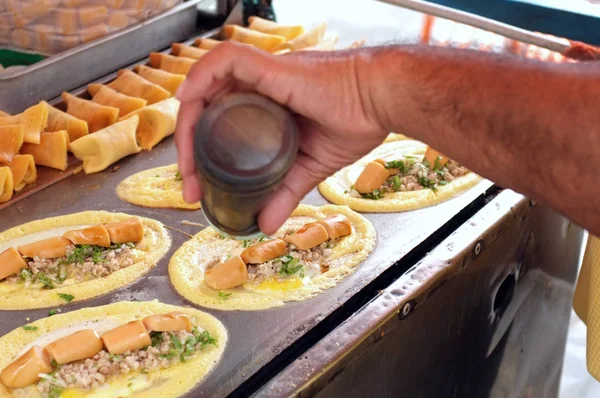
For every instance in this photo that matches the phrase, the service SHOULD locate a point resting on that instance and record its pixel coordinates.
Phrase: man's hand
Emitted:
(336, 120)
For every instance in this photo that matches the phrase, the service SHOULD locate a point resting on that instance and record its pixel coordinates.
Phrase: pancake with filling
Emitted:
(28, 290)
(264, 289)
(172, 381)
(338, 188)
(158, 187)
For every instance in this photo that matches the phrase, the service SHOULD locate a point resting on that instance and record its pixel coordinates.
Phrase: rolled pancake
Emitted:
(105, 95)
(105, 147)
(51, 151)
(34, 121)
(326, 45)
(11, 139)
(337, 189)
(167, 80)
(157, 121)
(308, 39)
(155, 244)
(6, 184)
(273, 28)
(169, 63)
(257, 39)
(395, 137)
(207, 44)
(131, 84)
(170, 382)
(188, 264)
(59, 120)
(23, 170)
(182, 50)
(97, 116)
(158, 187)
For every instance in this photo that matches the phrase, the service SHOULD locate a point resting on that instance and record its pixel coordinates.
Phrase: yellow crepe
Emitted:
(105, 95)
(167, 80)
(105, 147)
(158, 187)
(34, 121)
(23, 171)
(133, 85)
(169, 63)
(97, 116)
(155, 244)
(170, 382)
(273, 28)
(157, 121)
(11, 139)
(186, 267)
(308, 39)
(51, 151)
(257, 39)
(336, 188)
(59, 120)
(182, 50)
(6, 184)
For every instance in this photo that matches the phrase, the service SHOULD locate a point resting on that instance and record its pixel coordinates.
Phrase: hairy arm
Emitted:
(530, 126)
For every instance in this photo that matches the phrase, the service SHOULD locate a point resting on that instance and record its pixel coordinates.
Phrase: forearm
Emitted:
(533, 127)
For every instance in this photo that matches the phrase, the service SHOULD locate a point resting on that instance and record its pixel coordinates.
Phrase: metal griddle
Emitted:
(261, 343)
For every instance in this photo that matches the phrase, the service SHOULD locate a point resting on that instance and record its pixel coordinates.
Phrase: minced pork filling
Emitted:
(167, 349)
(408, 174)
(82, 262)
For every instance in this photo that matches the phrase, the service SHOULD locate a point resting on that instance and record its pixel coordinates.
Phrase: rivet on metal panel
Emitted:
(406, 309)
(478, 247)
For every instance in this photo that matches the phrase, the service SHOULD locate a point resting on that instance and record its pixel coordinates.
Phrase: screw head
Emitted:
(406, 309)
(477, 249)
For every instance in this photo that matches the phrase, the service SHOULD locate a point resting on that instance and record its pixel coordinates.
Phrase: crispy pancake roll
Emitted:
(207, 44)
(59, 120)
(157, 121)
(23, 170)
(133, 85)
(97, 116)
(169, 63)
(167, 80)
(109, 97)
(264, 41)
(6, 184)
(51, 151)
(273, 28)
(33, 120)
(105, 147)
(182, 50)
(11, 139)
(308, 39)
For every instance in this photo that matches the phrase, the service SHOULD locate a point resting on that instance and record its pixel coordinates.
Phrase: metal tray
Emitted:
(82, 64)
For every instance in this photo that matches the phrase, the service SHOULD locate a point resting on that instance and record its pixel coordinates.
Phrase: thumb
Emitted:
(304, 175)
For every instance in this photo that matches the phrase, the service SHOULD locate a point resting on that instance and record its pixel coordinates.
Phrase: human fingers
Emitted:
(189, 113)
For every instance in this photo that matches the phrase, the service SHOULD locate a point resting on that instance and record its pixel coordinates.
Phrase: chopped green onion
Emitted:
(47, 282)
(30, 328)
(224, 295)
(67, 297)
(178, 176)
(52, 312)
(157, 338)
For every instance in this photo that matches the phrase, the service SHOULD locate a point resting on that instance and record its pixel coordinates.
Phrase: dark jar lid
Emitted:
(244, 144)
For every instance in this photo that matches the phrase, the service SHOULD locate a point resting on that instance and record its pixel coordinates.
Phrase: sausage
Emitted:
(47, 248)
(95, 235)
(336, 225)
(264, 251)
(74, 347)
(130, 230)
(24, 371)
(431, 155)
(380, 161)
(309, 236)
(372, 177)
(227, 275)
(11, 262)
(171, 322)
(129, 337)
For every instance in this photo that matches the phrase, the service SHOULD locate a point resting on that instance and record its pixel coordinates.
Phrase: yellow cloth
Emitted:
(586, 302)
